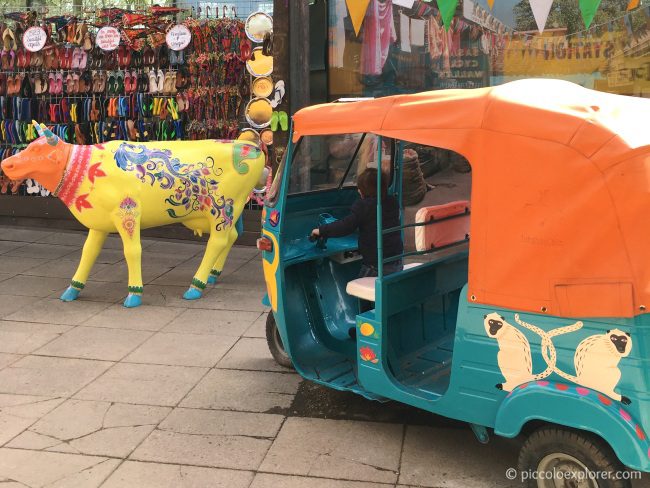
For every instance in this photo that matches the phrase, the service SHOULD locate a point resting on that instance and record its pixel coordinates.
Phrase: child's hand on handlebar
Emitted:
(315, 233)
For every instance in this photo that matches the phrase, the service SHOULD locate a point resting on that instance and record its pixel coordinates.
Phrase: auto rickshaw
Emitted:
(529, 315)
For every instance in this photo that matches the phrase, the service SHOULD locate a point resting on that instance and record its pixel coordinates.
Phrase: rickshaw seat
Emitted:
(364, 288)
(446, 224)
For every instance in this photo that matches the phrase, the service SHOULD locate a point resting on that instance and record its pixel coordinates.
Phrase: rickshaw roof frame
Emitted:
(560, 187)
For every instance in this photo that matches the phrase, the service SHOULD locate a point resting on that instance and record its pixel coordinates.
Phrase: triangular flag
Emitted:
(633, 4)
(447, 10)
(490, 3)
(541, 9)
(357, 9)
(588, 10)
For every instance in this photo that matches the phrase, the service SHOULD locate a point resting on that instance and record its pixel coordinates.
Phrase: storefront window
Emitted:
(402, 47)
(328, 162)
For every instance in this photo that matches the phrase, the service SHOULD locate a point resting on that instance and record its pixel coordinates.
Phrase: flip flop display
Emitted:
(140, 91)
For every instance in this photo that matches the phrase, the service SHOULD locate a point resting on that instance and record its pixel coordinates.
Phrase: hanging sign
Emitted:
(541, 9)
(34, 39)
(178, 37)
(108, 38)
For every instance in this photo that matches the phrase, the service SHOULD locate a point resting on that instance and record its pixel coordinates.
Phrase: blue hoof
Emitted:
(212, 280)
(70, 294)
(133, 300)
(192, 294)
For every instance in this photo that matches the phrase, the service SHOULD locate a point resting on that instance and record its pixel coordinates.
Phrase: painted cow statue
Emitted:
(124, 187)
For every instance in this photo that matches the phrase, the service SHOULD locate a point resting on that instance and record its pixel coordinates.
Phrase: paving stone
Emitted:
(54, 311)
(235, 452)
(12, 303)
(265, 480)
(14, 265)
(95, 343)
(54, 470)
(97, 428)
(22, 234)
(41, 251)
(251, 354)
(144, 317)
(244, 391)
(17, 412)
(7, 359)
(219, 422)
(38, 375)
(182, 349)
(178, 276)
(172, 296)
(467, 463)
(341, 449)
(119, 273)
(6, 276)
(163, 260)
(97, 291)
(228, 299)
(33, 286)
(217, 322)
(7, 246)
(258, 329)
(143, 384)
(61, 268)
(25, 337)
(133, 474)
(182, 248)
(76, 239)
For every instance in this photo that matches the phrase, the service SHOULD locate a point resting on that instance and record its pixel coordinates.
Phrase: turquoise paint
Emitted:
(425, 311)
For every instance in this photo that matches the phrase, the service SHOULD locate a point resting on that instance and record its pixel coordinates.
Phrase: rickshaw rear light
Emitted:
(264, 244)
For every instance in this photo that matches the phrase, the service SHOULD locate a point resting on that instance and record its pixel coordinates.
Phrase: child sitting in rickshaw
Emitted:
(363, 216)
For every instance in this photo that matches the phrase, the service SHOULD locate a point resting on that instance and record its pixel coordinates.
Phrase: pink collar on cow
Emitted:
(73, 174)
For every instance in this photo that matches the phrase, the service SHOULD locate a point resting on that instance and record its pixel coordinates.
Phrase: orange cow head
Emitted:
(44, 160)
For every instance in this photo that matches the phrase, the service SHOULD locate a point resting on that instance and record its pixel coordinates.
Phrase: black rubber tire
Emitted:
(587, 448)
(274, 342)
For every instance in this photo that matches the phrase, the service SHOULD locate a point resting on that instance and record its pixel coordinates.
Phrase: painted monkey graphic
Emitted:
(514, 357)
(596, 362)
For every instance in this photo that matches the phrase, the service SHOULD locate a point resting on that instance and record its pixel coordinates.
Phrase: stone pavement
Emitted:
(180, 394)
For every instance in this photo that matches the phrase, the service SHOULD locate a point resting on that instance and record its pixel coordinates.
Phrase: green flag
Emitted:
(447, 10)
(588, 9)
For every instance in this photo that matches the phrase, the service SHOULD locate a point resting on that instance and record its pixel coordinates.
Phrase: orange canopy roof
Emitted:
(560, 188)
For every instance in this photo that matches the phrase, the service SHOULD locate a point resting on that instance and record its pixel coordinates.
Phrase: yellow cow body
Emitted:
(126, 186)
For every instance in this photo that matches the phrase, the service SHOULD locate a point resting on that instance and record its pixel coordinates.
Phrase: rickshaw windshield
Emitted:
(333, 162)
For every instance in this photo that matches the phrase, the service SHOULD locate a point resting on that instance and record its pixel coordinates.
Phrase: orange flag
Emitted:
(633, 4)
(357, 9)
(490, 3)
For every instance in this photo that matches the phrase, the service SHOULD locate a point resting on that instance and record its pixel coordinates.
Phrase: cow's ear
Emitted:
(485, 316)
(38, 128)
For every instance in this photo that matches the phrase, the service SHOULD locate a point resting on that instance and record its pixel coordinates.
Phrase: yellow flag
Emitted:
(357, 9)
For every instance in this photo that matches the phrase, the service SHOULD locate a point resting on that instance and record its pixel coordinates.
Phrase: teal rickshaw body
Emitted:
(427, 341)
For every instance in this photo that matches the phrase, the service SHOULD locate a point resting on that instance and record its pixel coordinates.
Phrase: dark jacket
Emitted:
(363, 216)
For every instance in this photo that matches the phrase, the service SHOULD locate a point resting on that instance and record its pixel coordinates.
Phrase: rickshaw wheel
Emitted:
(274, 342)
(570, 459)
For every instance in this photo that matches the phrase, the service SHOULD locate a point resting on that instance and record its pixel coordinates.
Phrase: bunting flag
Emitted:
(633, 4)
(490, 4)
(588, 10)
(447, 10)
(357, 10)
(541, 9)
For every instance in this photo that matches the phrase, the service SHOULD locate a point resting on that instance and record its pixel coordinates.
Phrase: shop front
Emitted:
(191, 72)
(377, 48)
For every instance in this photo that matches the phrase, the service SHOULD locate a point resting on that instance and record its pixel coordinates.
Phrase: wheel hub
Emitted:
(560, 470)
